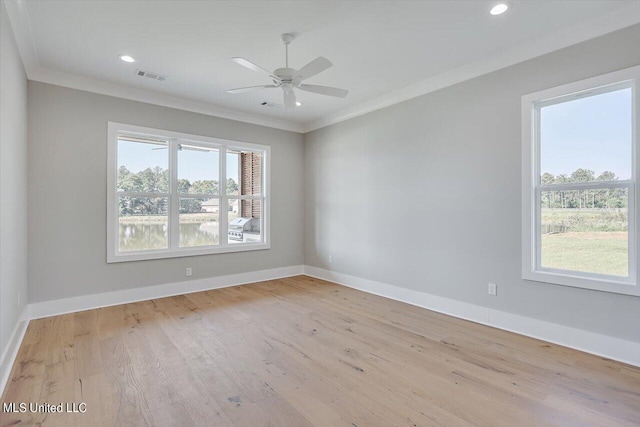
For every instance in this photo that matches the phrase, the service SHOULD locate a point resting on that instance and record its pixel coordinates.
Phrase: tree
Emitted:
(582, 198)
(190, 205)
(184, 186)
(153, 180)
(547, 178)
(150, 180)
(124, 179)
(204, 187)
(582, 175)
(604, 196)
(232, 186)
(607, 176)
(562, 178)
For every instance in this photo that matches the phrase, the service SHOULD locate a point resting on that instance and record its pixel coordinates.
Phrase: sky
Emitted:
(590, 133)
(192, 165)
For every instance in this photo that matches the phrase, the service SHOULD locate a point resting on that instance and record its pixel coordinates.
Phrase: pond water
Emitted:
(145, 236)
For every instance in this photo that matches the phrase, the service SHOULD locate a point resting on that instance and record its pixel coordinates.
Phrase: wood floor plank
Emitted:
(133, 407)
(196, 370)
(101, 398)
(299, 352)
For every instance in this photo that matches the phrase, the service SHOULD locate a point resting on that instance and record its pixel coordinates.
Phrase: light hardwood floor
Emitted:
(300, 352)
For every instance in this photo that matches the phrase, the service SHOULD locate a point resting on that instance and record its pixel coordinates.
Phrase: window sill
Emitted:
(604, 284)
(166, 253)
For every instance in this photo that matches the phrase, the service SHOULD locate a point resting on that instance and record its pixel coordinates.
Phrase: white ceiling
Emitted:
(382, 51)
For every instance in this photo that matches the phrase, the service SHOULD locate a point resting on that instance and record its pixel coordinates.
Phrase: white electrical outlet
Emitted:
(330, 258)
(493, 289)
(189, 272)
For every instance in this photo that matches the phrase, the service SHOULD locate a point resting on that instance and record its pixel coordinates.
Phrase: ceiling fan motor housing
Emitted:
(285, 75)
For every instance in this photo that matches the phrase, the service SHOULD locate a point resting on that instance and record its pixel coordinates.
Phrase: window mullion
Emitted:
(536, 148)
(223, 212)
(537, 227)
(263, 218)
(632, 231)
(536, 184)
(174, 202)
(140, 195)
(198, 196)
(587, 185)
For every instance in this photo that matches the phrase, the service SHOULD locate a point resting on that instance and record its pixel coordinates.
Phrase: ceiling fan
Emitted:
(289, 79)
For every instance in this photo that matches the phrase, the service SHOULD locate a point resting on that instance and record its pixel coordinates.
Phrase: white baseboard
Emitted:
(589, 342)
(11, 351)
(106, 299)
(88, 302)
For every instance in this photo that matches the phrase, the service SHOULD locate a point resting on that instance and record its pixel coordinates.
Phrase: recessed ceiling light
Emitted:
(127, 58)
(298, 103)
(499, 9)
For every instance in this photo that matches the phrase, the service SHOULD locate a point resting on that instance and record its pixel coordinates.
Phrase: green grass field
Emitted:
(594, 252)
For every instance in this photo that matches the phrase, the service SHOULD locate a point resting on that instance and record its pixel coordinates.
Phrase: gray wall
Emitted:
(426, 194)
(67, 194)
(13, 183)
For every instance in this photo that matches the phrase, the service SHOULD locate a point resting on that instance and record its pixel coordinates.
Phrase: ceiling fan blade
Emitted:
(184, 147)
(194, 148)
(314, 67)
(250, 65)
(289, 99)
(324, 90)
(250, 88)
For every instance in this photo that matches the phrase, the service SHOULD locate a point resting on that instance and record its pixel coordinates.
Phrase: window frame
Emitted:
(174, 250)
(532, 186)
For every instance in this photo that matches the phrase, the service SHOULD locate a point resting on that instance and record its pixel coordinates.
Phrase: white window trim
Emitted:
(174, 251)
(531, 183)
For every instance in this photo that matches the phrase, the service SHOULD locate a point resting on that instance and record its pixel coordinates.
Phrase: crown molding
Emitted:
(600, 26)
(102, 87)
(21, 25)
(19, 18)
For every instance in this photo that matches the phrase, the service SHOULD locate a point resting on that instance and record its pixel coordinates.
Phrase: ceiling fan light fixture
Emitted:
(499, 9)
(290, 79)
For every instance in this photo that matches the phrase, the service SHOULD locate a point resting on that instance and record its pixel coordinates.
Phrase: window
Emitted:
(173, 194)
(580, 159)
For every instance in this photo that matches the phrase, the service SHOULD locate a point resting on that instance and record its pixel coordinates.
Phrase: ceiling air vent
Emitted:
(151, 75)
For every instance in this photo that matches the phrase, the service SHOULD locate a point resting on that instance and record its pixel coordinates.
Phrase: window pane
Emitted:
(244, 221)
(233, 172)
(244, 173)
(142, 223)
(585, 230)
(143, 165)
(587, 139)
(198, 169)
(199, 224)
